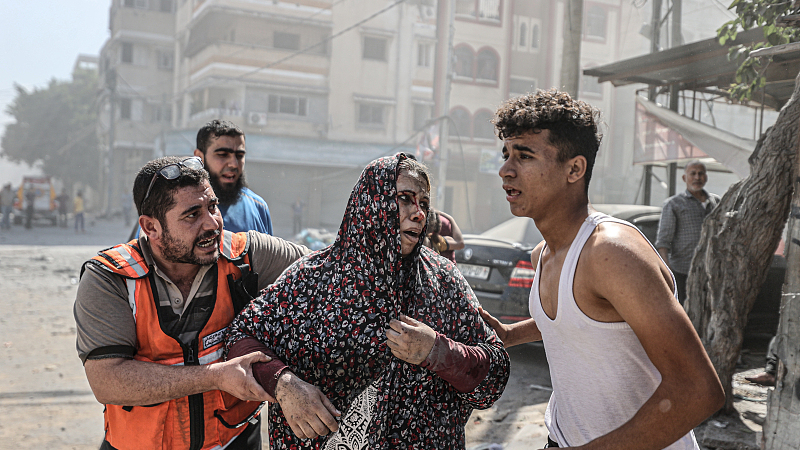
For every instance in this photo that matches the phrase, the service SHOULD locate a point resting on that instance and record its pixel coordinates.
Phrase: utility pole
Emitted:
(674, 90)
(571, 59)
(111, 83)
(655, 37)
(443, 70)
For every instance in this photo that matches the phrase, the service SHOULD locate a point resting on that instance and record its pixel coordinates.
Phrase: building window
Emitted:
(130, 109)
(465, 8)
(374, 48)
(125, 108)
(138, 4)
(287, 104)
(480, 9)
(370, 114)
(166, 6)
(288, 41)
(521, 86)
(595, 22)
(424, 51)
(459, 124)
(462, 65)
(126, 53)
(489, 9)
(527, 37)
(482, 127)
(166, 60)
(487, 65)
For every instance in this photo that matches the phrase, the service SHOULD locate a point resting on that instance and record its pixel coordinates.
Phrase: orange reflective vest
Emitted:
(200, 421)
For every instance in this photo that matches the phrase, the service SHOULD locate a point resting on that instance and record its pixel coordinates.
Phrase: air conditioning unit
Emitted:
(257, 118)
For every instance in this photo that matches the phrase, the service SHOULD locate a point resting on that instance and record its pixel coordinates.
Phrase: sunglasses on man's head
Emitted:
(173, 171)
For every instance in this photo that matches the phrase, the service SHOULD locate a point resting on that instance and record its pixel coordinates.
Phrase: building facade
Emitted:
(322, 87)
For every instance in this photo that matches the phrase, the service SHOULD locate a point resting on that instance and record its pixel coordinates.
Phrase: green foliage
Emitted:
(55, 128)
(752, 14)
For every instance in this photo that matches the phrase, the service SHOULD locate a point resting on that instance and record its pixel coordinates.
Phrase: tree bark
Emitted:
(737, 243)
(781, 430)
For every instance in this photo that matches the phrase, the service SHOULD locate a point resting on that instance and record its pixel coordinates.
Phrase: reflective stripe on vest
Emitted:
(132, 295)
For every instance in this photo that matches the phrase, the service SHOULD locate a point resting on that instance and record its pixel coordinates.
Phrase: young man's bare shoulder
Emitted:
(618, 245)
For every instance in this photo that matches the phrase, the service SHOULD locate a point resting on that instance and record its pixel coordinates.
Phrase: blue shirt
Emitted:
(250, 212)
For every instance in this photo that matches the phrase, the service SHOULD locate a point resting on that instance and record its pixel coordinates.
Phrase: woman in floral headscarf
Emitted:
(357, 321)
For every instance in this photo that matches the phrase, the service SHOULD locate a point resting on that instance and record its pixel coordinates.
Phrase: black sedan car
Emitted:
(497, 265)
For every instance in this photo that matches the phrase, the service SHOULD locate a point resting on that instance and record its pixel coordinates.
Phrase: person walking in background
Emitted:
(444, 236)
(768, 376)
(30, 199)
(77, 209)
(63, 207)
(7, 203)
(681, 222)
(627, 367)
(221, 147)
(126, 202)
(297, 216)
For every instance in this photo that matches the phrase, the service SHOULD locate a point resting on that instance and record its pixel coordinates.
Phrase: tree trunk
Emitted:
(737, 243)
(781, 430)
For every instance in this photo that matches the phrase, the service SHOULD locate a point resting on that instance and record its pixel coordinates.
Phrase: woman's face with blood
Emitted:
(413, 200)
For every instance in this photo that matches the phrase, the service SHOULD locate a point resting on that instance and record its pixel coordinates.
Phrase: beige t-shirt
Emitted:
(104, 318)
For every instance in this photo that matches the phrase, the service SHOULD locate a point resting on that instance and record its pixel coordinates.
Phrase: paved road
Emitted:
(45, 401)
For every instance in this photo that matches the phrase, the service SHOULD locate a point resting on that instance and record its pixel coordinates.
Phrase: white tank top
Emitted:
(600, 372)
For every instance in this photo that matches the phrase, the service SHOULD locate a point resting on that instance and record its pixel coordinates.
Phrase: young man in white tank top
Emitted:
(627, 367)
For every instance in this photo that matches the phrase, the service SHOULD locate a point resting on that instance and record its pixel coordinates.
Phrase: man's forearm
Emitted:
(129, 382)
(119, 381)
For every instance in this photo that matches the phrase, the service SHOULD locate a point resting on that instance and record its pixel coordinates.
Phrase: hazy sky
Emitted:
(40, 40)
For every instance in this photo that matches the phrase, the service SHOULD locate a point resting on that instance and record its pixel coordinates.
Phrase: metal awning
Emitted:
(729, 150)
(703, 66)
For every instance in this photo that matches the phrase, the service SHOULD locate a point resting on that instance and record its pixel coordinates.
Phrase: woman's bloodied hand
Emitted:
(309, 413)
(409, 339)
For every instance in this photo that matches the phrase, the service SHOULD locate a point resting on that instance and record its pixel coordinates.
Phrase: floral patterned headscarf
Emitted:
(325, 317)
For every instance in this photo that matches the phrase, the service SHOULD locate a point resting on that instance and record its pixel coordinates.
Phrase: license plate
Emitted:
(471, 271)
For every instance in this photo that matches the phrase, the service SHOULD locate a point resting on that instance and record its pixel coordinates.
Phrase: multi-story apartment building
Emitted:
(322, 87)
(531, 58)
(136, 72)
